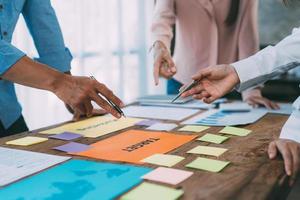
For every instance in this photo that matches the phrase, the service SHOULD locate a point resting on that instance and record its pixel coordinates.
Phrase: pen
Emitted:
(117, 108)
(188, 87)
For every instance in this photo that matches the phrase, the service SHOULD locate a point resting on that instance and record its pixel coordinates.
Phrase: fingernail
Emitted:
(119, 115)
(122, 104)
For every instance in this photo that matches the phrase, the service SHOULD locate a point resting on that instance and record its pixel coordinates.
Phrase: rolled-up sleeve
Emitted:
(43, 25)
(163, 19)
(9, 55)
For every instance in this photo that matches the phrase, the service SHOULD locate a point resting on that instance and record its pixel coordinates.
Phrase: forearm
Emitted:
(33, 74)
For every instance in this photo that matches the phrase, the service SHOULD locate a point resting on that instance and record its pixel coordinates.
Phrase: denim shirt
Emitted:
(44, 28)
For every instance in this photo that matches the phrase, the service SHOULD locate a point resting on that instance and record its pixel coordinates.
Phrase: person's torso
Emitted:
(202, 36)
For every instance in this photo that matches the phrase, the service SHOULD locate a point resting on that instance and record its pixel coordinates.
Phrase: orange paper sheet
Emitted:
(134, 145)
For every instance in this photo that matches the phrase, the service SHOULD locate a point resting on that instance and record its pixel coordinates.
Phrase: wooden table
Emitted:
(251, 175)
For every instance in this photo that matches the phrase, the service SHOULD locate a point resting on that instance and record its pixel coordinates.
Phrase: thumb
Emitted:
(272, 150)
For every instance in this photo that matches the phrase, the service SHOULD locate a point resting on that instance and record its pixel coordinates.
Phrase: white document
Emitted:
(285, 109)
(191, 104)
(235, 106)
(156, 112)
(17, 164)
(218, 118)
(162, 127)
(162, 99)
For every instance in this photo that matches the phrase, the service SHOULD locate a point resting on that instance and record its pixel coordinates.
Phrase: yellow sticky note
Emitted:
(26, 141)
(150, 191)
(206, 150)
(235, 131)
(96, 126)
(217, 139)
(196, 129)
(163, 160)
(208, 164)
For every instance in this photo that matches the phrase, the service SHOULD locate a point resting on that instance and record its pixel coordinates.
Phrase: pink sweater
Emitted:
(202, 36)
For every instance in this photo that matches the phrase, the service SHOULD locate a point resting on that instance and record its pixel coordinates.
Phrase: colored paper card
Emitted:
(206, 150)
(195, 129)
(168, 175)
(66, 136)
(235, 131)
(208, 164)
(147, 123)
(217, 139)
(96, 126)
(27, 141)
(163, 160)
(135, 145)
(149, 191)
(72, 147)
(162, 127)
(78, 179)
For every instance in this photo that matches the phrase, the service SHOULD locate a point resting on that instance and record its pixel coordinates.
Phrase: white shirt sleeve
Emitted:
(269, 62)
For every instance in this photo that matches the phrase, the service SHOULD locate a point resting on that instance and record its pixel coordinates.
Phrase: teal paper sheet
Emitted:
(77, 179)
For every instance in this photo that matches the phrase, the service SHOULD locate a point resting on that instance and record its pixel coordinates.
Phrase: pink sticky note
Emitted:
(168, 175)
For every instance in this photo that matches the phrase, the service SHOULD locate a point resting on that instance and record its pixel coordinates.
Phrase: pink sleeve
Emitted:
(248, 36)
(163, 19)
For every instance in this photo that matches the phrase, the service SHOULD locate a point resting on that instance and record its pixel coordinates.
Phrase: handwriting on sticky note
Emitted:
(150, 191)
(163, 160)
(207, 150)
(27, 141)
(208, 164)
(235, 131)
(96, 126)
(217, 139)
(190, 128)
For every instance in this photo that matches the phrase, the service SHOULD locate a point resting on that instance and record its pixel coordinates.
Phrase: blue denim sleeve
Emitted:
(43, 25)
(9, 55)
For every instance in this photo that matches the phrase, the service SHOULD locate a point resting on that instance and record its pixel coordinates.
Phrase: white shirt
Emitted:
(268, 63)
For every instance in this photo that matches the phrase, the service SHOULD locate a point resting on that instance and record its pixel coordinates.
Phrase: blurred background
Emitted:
(110, 40)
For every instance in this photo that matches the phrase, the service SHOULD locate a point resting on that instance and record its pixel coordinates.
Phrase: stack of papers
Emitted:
(156, 112)
(17, 164)
(218, 118)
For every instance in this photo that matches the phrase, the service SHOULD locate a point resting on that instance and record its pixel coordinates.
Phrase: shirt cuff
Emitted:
(247, 69)
(291, 128)
(9, 55)
(163, 39)
(59, 60)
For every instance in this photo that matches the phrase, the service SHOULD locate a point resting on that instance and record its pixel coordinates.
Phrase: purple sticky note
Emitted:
(146, 122)
(72, 147)
(66, 136)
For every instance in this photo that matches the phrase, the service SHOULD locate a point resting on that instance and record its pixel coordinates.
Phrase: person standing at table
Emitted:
(208, 32)
(44, 73)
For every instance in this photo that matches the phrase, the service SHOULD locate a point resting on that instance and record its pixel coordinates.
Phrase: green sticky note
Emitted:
(206, 150)
(150, 191)
(235, 131)
(195, 129)
(163, 160)
(217, 139)
(208, 164)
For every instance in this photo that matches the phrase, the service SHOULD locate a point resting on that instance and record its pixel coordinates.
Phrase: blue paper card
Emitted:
(77, 179)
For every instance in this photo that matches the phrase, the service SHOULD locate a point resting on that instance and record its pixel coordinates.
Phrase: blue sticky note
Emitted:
(77, 179)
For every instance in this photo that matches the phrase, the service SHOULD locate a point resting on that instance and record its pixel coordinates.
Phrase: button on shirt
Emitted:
(44, 28)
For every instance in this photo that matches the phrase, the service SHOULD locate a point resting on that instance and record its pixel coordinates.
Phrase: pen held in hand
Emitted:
(112, 104)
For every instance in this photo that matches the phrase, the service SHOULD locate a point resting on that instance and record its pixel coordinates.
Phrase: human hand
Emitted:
(163, 62)
(290, 151)
(213, 83)
(254, 98)
(95, 112)
(78, 92)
